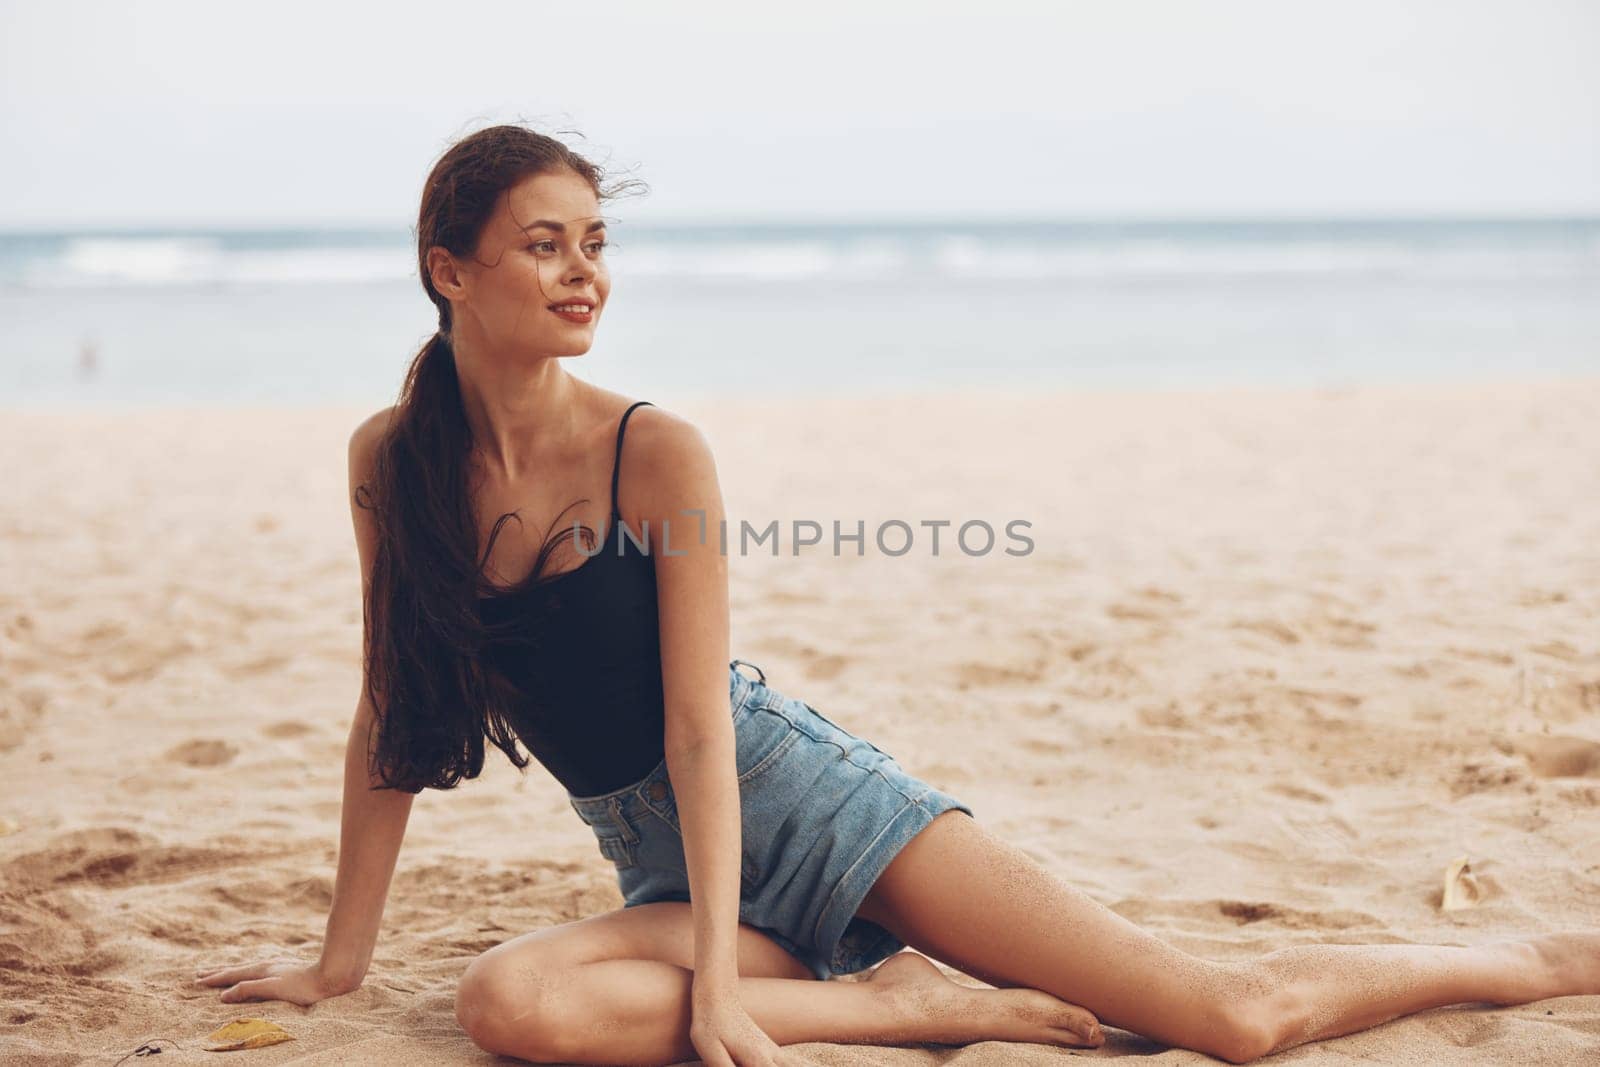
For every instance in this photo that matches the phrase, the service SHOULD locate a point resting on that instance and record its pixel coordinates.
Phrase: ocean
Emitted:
(134, 318)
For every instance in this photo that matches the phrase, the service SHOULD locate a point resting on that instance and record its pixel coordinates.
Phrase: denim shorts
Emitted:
(822, 813)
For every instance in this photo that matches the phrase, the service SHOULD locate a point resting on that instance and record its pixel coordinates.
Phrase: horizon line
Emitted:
(965, 218)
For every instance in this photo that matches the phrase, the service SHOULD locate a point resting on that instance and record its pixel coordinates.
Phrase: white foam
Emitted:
(164, 261)
(1465, 255)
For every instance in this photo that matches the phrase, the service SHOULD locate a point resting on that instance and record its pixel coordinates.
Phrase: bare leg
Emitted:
(1009, 922)
(638, 1012)
(1327, 990)
(558, 996)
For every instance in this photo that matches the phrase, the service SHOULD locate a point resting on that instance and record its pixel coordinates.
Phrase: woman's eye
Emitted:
(550, 246)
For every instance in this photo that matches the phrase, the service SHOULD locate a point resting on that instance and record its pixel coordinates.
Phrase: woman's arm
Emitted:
(371, 827)
(676, 489)
(372, 822)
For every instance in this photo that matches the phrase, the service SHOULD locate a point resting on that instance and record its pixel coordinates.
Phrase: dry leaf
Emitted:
(246, 1033)
(9, 826)
(1461, 889)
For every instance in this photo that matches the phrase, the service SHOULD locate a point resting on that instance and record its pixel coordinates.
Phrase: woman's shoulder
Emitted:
(364, 445)
(660, 439)
(666, 461)
(364, 439)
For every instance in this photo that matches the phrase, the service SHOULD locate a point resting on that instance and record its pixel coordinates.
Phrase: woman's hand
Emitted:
(281, 978)
(724, 1034)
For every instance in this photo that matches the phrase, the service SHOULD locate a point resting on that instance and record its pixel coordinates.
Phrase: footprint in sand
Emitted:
(1414, 669)
(288, 729)
(1297, 792)
(822, 666)
(1270, 628)
(937, 771)
(1560, 757)
(1482, 655)
(1150, 604)
(19, 709)
(49, 937)
(1167, 717)
(110, 856)
(202, 752)
(1133, 611)
(1335, 697)
(982, 673)
(1043, 746)
(313, 891)
(1480, 776)
(1244, 911)
(266, 664)
(1342, 631)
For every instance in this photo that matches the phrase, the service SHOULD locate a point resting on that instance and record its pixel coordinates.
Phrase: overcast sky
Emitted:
(327, 113)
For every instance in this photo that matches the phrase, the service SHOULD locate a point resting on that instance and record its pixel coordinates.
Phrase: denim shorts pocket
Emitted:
(761, 737)
(770, 760)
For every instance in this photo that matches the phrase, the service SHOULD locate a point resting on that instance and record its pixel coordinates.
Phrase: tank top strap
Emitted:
(616, 463)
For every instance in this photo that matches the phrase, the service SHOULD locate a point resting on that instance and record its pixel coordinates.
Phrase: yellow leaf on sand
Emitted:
(246, 1033)
(1461, 889)
(8, 826)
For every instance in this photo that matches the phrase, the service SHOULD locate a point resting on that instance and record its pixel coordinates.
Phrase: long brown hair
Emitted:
(424, 646)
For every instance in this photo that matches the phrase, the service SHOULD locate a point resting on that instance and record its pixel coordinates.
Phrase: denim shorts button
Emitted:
(658, 790)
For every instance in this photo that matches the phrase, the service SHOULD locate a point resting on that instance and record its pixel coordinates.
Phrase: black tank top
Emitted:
(590, 671)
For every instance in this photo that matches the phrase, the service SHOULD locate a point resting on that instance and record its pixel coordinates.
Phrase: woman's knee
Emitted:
(1247, 1014)
(509, 1006)
(1242, 1036)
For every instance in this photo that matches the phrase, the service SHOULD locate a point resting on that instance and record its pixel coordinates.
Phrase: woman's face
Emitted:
(544, 246)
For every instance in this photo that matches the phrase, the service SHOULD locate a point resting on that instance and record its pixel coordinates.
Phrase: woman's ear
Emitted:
(448, 279)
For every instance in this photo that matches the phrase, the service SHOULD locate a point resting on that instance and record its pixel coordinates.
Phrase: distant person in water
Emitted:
(758, 846)
(88, 358)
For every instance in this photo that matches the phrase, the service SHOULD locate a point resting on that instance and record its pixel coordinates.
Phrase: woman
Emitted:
(758, 845)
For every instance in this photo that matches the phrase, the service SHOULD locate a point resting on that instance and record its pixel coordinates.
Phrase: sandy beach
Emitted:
(1276, 659)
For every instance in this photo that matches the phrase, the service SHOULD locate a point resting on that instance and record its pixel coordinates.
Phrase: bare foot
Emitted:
(1565, 964)
(952, 1014)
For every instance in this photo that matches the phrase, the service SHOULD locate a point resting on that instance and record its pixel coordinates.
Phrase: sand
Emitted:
(1276, 660)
